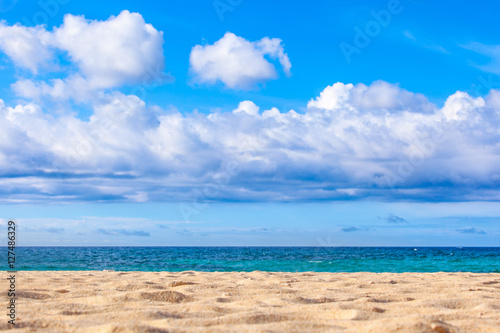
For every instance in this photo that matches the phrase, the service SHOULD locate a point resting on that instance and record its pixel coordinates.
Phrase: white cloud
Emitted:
(74, 87)
(461, 106)
(121, 50)
(127, 50)
(28, 47)
(238, 63)
(380, 96)
(345, 145)
(247, 107)
(273, 47)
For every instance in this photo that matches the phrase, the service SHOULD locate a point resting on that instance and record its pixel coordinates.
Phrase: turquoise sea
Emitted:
(288, 259)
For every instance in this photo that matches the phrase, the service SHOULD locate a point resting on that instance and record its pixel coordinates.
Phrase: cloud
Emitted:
(345, 145)
(27, 47)
(471, 231)
(238, 63)
(124, 232)
(262, 230)
(186, 232)
(425, 43)
(461, 106)
(53, 230)
(247, 107)
(395, 219)
(88, 225)
(490, 51)
(127, 51)
(380, 96)
(350, 229)
(409, 35)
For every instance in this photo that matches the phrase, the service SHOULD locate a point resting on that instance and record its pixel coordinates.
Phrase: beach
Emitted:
(191, 301)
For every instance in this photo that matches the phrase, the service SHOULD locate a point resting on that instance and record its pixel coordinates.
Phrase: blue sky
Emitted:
(250, 123)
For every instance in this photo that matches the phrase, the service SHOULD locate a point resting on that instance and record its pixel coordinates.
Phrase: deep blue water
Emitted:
(289, 259)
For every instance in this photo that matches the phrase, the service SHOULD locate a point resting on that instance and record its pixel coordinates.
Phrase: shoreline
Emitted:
(193, 301)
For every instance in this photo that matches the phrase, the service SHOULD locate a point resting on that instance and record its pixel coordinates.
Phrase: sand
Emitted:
(95, 301)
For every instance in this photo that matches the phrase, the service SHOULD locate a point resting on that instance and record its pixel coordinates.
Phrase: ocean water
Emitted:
(287, 259)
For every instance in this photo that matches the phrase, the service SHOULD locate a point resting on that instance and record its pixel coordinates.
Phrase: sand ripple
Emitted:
(256, 302)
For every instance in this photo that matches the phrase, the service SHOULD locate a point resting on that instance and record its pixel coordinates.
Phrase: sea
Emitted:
(283, 259)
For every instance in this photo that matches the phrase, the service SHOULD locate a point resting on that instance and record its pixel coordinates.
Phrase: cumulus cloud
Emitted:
(74, 87)
(127, 51)
(27, 47)
(237, 62)
(341, 147)
(247, 107)
(379, 96)
(462, 106)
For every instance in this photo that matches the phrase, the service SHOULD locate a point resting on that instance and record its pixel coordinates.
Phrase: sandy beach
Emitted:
(95, 301)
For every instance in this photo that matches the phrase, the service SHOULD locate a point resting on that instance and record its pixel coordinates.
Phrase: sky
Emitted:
(233, 122)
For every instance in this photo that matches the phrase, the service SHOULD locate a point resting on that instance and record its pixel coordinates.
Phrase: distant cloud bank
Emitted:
(344, 146)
